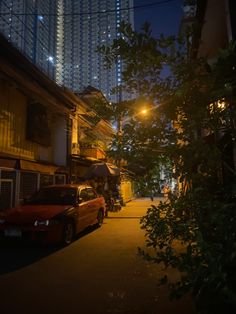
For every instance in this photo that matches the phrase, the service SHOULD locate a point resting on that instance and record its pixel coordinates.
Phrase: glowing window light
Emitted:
(50, 59)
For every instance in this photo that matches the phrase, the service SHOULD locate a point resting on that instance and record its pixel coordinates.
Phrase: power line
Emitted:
(95, 12)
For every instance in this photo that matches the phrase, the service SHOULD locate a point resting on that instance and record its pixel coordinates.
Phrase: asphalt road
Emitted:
(99, 273)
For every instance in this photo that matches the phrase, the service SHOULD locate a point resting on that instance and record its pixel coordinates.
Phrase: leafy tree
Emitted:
(142, 138)
(193, 127)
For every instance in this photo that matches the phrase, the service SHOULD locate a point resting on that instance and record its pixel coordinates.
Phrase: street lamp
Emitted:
(144, 111)
(120, 123)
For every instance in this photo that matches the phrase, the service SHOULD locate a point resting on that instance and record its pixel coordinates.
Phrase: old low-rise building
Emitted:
(91, 135)
(48, 135)
(34, 120)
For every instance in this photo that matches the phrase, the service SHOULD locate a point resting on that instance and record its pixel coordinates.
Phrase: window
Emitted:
(84, 195)
(87, 194)
(91, 194)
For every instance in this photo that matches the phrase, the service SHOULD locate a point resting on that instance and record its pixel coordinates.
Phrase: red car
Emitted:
(55, 213)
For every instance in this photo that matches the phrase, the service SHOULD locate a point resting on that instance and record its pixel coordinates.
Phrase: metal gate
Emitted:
(6, 194)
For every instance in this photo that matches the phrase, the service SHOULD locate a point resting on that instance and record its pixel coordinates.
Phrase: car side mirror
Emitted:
(80, 200)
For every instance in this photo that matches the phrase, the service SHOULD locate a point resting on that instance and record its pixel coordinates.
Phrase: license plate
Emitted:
(12, 233)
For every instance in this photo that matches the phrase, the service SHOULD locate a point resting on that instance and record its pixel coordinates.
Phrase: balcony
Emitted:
(93, 152)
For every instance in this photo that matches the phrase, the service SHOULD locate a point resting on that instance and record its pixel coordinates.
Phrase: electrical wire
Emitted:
(19, 16)
(96, 12)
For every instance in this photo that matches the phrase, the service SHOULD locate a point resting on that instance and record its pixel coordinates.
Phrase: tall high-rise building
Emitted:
(61, 37)
(31, 26)
(83, 25)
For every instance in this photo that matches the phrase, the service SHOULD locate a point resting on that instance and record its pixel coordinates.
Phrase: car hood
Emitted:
(30, 213)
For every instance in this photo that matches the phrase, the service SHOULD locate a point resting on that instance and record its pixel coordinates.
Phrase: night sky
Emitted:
(164, 18)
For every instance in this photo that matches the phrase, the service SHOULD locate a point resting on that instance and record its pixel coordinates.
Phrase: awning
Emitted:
(33, 166)
(102, 170)
(8, 163)
(86, 161)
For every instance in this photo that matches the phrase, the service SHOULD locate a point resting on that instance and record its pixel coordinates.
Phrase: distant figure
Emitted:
(152, 196)
(166, 191)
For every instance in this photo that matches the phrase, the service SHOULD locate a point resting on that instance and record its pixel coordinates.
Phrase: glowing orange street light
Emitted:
(144, 111)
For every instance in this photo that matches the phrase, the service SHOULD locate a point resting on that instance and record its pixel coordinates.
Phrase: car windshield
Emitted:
(54, 196)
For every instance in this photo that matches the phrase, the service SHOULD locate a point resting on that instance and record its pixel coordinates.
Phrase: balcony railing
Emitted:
(92, 152)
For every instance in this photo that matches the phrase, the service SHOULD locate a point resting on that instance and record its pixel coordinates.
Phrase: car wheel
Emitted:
(100, 218)
(68, 233)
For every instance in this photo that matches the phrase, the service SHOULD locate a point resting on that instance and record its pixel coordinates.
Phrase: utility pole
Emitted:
(119, 141)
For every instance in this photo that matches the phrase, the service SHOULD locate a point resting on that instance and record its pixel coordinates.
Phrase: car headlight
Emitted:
(41, 223)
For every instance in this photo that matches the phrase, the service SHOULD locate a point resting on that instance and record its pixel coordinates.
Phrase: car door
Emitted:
(84, 210)
(93, 207)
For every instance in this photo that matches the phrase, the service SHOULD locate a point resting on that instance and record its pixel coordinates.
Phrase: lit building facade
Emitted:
(31, 26)
(88, 24)
(61, 38)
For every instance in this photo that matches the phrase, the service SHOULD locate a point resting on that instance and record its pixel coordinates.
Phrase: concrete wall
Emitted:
(126, 188)
(214, 31)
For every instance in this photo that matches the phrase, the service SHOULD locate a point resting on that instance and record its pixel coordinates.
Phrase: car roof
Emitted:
(68, 186)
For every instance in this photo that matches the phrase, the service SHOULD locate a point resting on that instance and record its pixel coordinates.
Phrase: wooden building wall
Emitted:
(13, 113)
